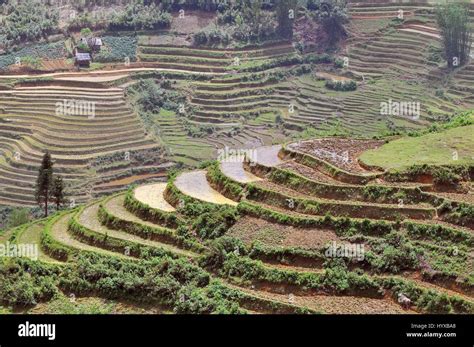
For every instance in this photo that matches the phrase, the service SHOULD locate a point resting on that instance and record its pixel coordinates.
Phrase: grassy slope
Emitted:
(435, 149)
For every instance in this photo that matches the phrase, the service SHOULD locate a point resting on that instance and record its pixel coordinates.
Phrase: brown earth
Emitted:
(340, 152)
(250, 229)
(131, 179)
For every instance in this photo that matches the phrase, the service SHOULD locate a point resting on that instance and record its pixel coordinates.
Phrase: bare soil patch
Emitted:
(340, 152)
(250, 229)
(310, 173)
(131, 179)
(467, 198)
(191, 22)
(335, 304)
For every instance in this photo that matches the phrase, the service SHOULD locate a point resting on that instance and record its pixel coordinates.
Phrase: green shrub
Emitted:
(24, 282)
(55, 50)
(117, 49)
(445, 176)
(341, 86)
(20, 23)
(18, 217)
(213, 224)
(225, 185)
(138, 16)
(393, 254)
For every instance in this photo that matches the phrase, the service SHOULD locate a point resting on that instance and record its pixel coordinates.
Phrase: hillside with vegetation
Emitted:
(246, 157)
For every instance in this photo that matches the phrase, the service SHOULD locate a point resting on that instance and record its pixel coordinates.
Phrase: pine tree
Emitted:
(44, 182)
(453, 21)
(333, 16)
(58, 191)
(286, 13)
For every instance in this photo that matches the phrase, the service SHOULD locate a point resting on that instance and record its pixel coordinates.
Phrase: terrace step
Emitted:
(60, 233)
(235, 171)
(330, 304)
(195, 185)
(152, 195)
(268, 156)
(88, 218)
(31, 235)
(362, 209)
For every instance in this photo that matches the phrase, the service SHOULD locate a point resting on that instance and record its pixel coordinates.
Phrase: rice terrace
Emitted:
(236, 157)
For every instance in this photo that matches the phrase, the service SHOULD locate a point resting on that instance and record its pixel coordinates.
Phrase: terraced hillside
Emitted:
(273, 234)
(32, 122)
(239, 98)
(232, 106)
(319, 201)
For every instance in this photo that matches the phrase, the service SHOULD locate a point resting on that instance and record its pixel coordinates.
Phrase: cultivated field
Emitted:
(335, 207)
(293, 206)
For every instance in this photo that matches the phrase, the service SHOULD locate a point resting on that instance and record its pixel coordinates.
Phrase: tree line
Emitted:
(49, 186)
(456, 33)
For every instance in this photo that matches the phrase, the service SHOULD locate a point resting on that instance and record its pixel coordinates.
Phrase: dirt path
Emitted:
(105, 72)
(91, 79)
(421, 32)
(152, 195)
(195, 185)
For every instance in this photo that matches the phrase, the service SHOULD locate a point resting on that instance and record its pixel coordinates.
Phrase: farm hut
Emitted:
(94, 43)
(82, 59)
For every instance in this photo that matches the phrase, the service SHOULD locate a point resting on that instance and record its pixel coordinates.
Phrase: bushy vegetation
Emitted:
(152, 96)
(341, 86)
(18, 217)
(393, 254)
(25, 282)
(146, 212)
(456, 32)
(140, 15)
(54, 50)
(117, 49)
(286, 11)
(427, 300)
(231, 189)
(458, 213)
(246, 21)
(22, 24)
(213, 223)
(336, 279)
(178, 284)
(332, 17)
(251, 22)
